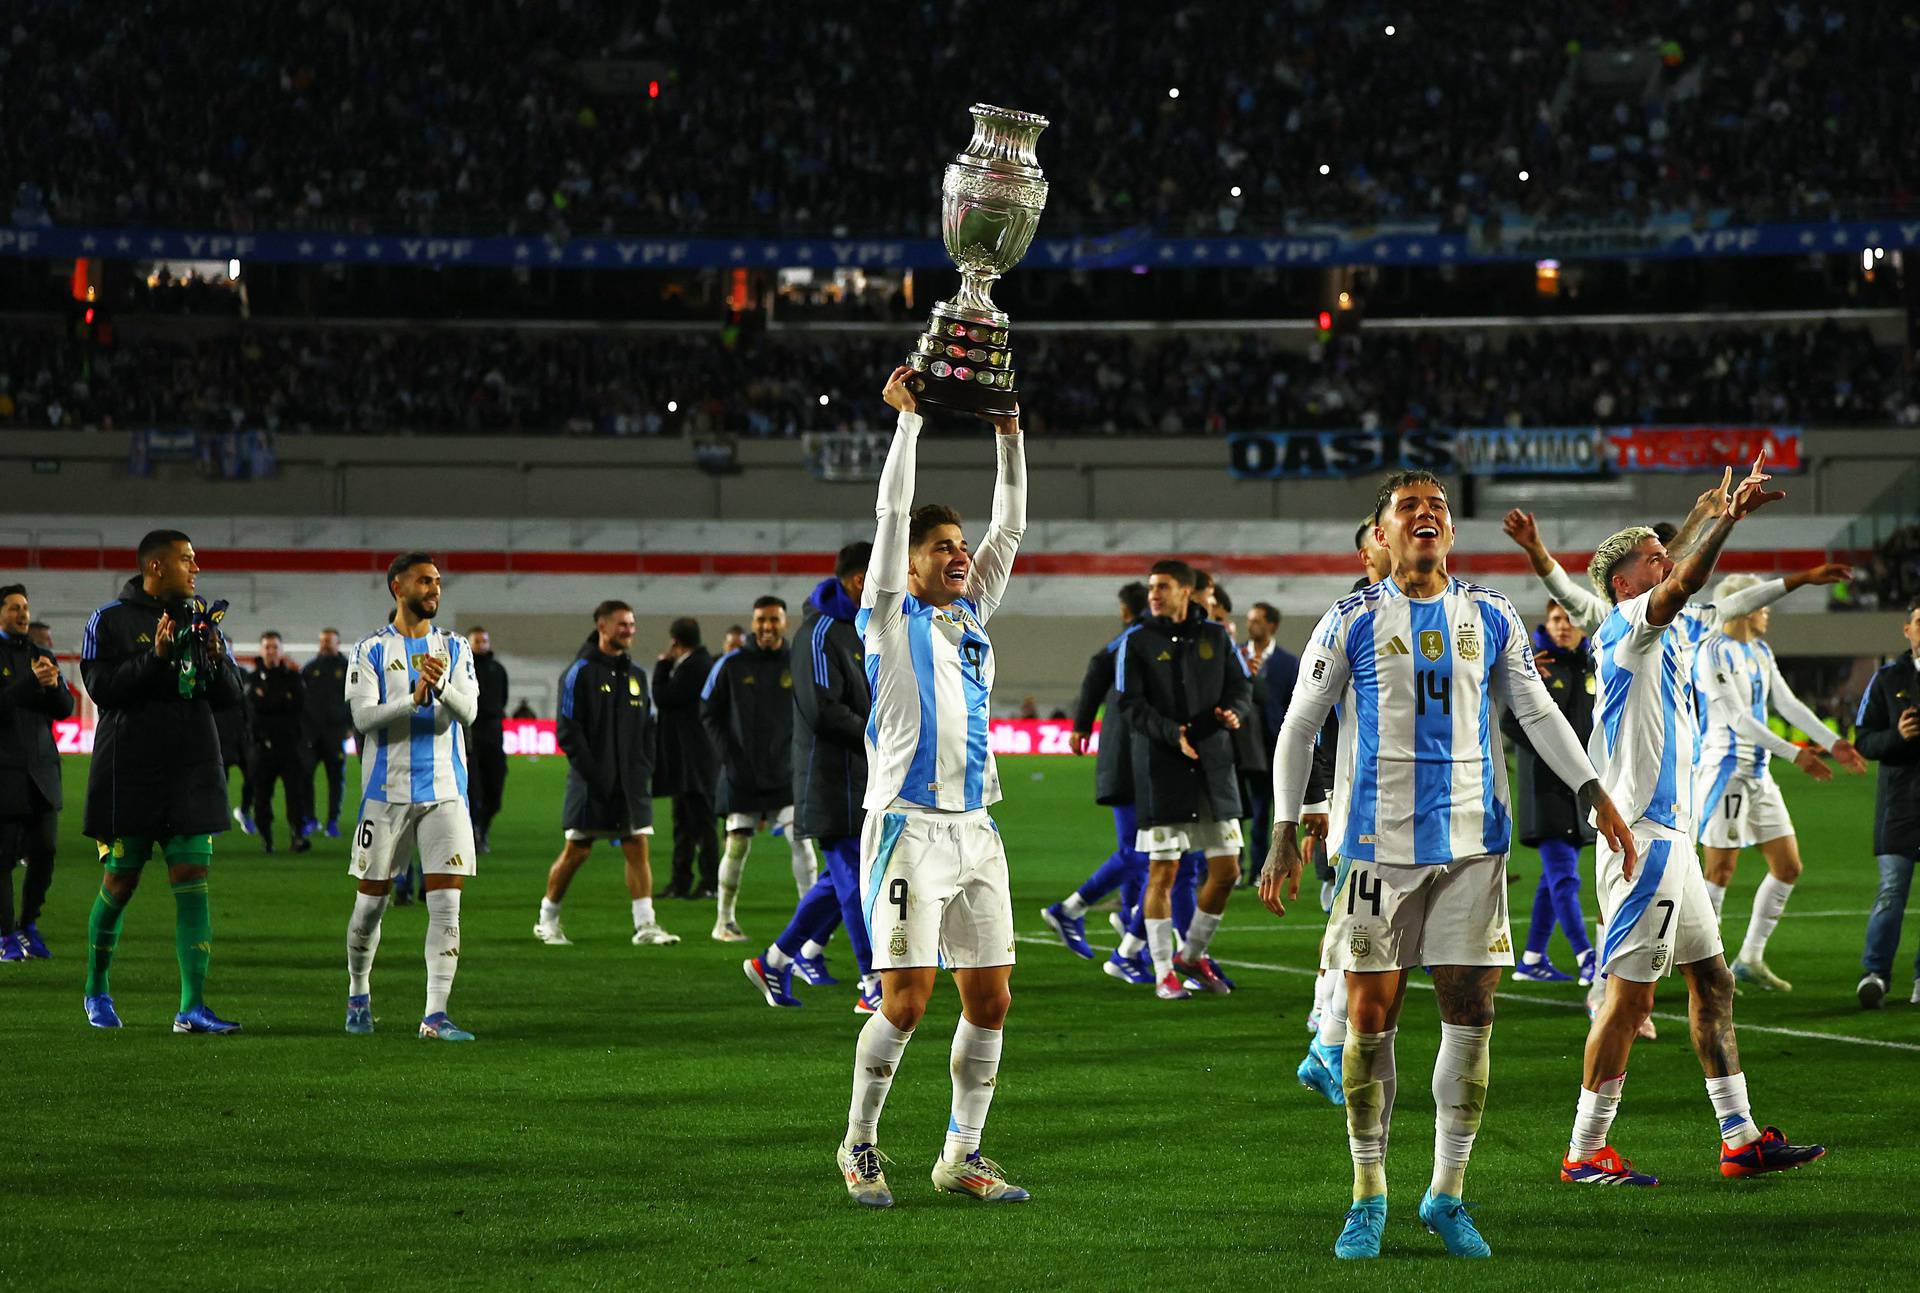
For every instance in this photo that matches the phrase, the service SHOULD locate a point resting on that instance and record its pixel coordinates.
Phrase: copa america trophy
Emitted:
(990, 203)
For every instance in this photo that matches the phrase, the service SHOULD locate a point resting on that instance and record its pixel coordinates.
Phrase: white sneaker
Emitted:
(651, 935)
(728, 931)
(552, 935)
(978, 1177)
(1171, 988)
(1119, 925)
(1872, 990)
(860, 1167)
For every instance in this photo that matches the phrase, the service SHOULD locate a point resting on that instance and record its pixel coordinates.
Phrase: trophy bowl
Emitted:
(990, 202)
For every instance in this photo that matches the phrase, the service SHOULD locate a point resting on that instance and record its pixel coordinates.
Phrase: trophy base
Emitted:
(962, 363)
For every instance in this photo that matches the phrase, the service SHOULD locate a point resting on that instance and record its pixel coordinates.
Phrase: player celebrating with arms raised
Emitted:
(1419, 662)
(933, 874)
(1659, 915)
(411, 690)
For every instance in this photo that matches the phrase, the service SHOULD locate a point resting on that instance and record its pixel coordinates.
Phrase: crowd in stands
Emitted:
(499, 117)
(374, 380)
(1889, 579)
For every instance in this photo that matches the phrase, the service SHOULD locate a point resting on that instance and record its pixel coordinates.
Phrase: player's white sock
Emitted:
(775, 958)
(1073, 905)
(1460, 1074)
(1717, 895)
(811, 949)
(806, 863)
(1367, 1102)
(1769, 900)
(1333, 1017)
(1130, 945)
(363, 940)
(1387, 1071)
(1199, 935)
(976, 1067)
(549, 911)
(1160, 946)
(733, 864)
(1729, 1096)
(1594, 1119)
(1532, 958)
(875, 1057)
(642, 912)
(443, 946)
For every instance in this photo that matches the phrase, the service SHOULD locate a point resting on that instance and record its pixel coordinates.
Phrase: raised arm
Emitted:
(886, 583)
(993, 559)
(1583, 605)
(1692, 570)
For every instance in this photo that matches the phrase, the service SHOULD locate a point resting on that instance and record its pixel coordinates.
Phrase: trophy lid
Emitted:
(1003, 139)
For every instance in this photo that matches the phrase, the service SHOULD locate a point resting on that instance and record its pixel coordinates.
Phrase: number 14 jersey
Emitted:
(1417, 680)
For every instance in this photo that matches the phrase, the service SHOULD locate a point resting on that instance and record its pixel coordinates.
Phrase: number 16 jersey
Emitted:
(1418, 679)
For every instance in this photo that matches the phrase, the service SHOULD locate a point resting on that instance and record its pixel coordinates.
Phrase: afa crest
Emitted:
(633, 686)
(1466, 642)
(1206, 650)
(1360, 944)
(897, 945)
(786, 680)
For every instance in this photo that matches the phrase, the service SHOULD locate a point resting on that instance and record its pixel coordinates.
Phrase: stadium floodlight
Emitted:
(1174, 92)
(1525, 176)
(1389, 29)
(823, 401)
(1866, 258)
(673, 406)
(233, 269)
(1879, 253)
(1234, 191)
(1325, 169)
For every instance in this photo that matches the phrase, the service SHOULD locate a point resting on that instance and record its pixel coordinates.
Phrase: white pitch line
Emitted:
(1050, 941)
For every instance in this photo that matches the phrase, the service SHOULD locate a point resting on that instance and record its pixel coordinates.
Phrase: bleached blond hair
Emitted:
(1617, 548)
(1726, 588)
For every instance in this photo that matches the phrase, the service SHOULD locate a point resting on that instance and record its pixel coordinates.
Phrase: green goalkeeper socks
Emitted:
(192, 940)
(103, 935)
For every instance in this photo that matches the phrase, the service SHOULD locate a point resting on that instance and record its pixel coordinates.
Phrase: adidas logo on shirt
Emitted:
(1394, 647)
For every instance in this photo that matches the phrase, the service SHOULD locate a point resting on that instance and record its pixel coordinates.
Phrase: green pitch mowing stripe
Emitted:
(638, 1118)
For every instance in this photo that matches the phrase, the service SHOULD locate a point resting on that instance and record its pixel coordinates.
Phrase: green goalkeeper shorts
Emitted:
(129, 853)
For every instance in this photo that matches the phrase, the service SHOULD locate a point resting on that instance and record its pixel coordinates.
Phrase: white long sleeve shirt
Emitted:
(1740, 682)
(411, 754)
(931, 668)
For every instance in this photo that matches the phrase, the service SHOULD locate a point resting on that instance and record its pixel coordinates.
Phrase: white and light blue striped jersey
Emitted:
(931, 668)
(1739, 682)
(1421, 757)
(409, 754)
(1644, 731)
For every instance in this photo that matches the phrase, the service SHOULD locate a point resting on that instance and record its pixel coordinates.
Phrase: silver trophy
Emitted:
(990, 204)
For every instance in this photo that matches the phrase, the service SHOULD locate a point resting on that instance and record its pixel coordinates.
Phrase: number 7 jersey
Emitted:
(1417, 680)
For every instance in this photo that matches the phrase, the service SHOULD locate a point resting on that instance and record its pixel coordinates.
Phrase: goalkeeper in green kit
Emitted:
(157, 667)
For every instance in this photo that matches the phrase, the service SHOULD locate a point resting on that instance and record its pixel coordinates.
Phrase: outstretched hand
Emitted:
(896, 392)
(1752, 495)
(1522, 529)
(1848, 757)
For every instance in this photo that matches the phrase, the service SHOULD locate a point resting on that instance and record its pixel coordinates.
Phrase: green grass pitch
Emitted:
(637, 1117)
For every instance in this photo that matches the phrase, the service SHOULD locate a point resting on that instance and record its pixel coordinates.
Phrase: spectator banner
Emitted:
(1703, 448)
(1035, 736)
(1131, 248)
(1507, 451)
(528, 736)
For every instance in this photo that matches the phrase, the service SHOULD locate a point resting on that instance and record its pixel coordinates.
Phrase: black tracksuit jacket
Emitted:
(1172, 674)
(606, 730)
(747, 706)
(831, 701)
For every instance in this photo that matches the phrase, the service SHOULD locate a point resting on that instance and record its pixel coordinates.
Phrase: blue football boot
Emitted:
(202, 1020)
(1447, 1217)
(12, 948)
(1071, 929)
(1129, 969)
(100, 1012)
(1360, 1236)
(438, 1028)
(1316, 1074)
(775, 985)
(360, 1015)
(1541, 971)
(813, 971)
(32, 944)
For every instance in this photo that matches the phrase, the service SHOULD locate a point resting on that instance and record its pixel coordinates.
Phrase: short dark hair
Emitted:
(927, 518)
(155, 542)
(761, 603)
(852, 560)
(612, 606)
(1202, 579)
(1221, 600)
(1179, 571)
(1913, 605)
(741, 629)
(1133, 596)
(1269, 610)
(336, 632)
(1664, 531)
(685, 631)
(1400, 480)
(272, 633)
(406, 561)
(8, 590)
(1360, 534)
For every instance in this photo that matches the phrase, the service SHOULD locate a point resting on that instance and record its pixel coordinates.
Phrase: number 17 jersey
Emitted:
(1418, 679)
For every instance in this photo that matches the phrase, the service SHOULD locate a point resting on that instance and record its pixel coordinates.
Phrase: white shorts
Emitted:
(588, 837)
(934, 890)
(751, 822)
(1399, 917)
(1661, 917)
(387, 835)
(1205, 836)
(1738, 812)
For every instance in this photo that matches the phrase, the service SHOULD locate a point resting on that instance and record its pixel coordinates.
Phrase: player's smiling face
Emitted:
(616, 629)
(769, 628)
(175, 571)
(1167, 597)
(940, 565)
(418, 588)
(1417, 527)
(15, 615)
